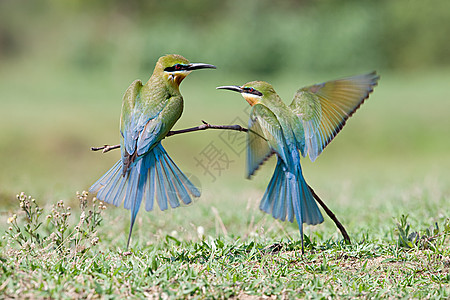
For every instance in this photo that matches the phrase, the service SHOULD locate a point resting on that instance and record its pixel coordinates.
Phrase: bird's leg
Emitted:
(303, 244)
(129, 237)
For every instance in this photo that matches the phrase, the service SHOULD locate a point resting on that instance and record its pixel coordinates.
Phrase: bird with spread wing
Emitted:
(305, 127)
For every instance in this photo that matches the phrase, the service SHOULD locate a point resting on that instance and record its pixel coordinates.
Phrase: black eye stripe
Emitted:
(176, 67)
(253, 91)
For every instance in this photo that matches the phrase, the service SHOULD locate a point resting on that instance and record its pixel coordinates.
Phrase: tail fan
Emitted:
(288, 195)
(154, 175)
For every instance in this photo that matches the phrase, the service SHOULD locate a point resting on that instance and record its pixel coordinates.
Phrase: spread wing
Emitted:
(264, 138)
(324, 108)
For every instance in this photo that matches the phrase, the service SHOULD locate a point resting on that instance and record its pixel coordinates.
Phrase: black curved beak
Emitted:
(198, 66)
(235, 88)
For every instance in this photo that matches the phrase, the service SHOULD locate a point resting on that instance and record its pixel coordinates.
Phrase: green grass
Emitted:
(172, 257)
(390, 160)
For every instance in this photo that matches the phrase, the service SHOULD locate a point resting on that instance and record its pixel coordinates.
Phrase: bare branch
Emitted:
(332, 216)
(105, 148)
(204, 126)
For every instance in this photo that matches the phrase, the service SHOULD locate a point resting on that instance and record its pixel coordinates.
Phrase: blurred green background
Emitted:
(64, 66)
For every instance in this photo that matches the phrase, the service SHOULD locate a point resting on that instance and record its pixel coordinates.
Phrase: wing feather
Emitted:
(324, 109)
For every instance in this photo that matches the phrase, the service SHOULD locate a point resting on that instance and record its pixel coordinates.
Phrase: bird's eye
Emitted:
(177, 67)
(253, 91)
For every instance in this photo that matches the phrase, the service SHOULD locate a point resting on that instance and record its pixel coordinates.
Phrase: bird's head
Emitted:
(253, 91)
(175, 67)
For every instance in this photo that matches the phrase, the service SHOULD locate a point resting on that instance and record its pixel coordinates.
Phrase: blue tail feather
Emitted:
(119, 193)
(138, 195)
(279, 206)
(266, 204)
(310, 211)
(99, 185)
(161, 195)
(169, 181)
(153, 175)
(272, 196)
(178, 184)
(290, 205)
(182, 178)
(151, 188)
(296, 201)
(133, 179)
(288, 195)
(109, 189)
(170, 190)
(282, 206)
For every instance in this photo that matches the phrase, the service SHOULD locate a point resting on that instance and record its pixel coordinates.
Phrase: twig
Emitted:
(105, 148)
(332, 216)
(204, 126)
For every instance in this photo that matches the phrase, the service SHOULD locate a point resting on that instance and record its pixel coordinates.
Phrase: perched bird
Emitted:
(145, 171)
(306, 126)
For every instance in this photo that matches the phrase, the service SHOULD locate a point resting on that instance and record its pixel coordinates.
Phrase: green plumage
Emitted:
(145, 171)
(306, 126)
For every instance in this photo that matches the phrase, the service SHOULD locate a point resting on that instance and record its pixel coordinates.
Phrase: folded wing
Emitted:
(264, 138)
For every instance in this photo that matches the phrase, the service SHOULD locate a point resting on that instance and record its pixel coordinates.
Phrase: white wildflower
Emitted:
(94, 241)
(12, 219)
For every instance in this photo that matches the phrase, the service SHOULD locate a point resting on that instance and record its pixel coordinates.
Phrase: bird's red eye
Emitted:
(177, 67)
(251, 90)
